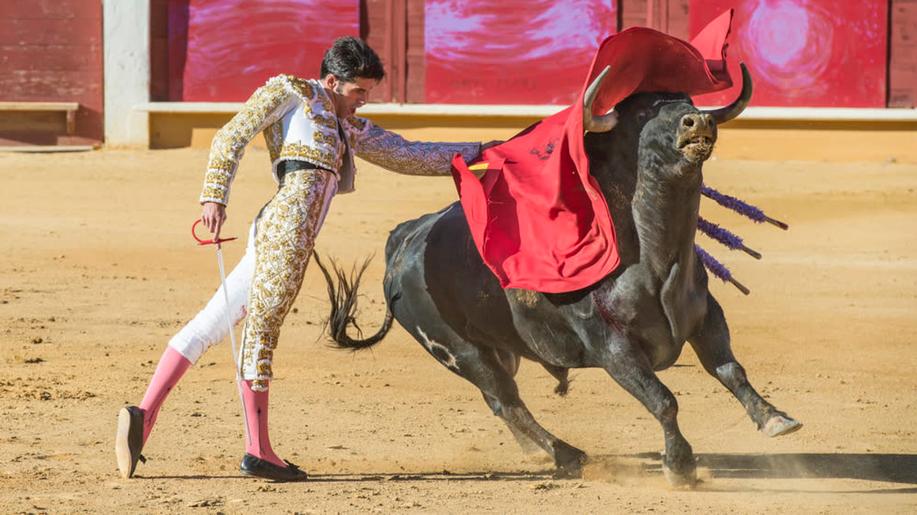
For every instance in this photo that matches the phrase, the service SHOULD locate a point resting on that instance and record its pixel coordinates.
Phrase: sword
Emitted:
(232, 335)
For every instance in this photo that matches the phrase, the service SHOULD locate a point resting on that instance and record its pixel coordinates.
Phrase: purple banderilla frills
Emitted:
(718, 269)
(725, 237)
(743, 208)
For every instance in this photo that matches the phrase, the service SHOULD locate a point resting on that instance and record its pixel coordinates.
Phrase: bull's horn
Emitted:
(724, 114)
(591, 122)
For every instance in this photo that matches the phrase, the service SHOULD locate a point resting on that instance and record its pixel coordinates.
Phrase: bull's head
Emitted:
(668, 124)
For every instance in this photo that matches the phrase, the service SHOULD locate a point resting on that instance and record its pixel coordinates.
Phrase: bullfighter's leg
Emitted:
(484, 369)
(711, 343)
(208, 327)
(631, 369)
(286, 232)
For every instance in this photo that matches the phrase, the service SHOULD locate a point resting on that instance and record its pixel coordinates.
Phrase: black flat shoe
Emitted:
(256, 467)
(129, 440)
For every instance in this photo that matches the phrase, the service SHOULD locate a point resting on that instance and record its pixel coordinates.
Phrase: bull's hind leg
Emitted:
(562, 376)
(493, 375)
(510, 363)
(711, 343)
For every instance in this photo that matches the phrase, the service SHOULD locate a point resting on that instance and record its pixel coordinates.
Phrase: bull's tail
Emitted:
(342, 292)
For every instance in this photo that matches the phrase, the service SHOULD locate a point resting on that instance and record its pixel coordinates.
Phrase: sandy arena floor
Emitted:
(98, 270)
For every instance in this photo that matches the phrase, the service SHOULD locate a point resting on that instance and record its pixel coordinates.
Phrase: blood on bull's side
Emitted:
(648, 161)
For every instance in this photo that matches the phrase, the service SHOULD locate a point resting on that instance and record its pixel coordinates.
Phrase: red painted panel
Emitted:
(902, 66)
(224, 49)
(51, 50)
(512, 51)
(814, 53)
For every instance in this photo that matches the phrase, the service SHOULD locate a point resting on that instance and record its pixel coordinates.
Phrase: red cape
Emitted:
(537, 216)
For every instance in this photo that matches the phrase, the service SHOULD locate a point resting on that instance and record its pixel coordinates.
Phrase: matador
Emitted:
(312, 134)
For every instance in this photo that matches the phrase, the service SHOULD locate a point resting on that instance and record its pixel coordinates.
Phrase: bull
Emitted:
(647, 157)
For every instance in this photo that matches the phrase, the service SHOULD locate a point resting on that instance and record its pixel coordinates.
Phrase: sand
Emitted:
(98, 270)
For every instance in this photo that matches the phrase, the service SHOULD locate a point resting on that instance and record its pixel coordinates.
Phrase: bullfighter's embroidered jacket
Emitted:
(299, 123)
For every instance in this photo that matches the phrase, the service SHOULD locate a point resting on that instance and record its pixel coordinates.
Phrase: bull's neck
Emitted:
(665, 214)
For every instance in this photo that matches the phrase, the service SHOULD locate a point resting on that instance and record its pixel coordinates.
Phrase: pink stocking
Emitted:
(172, 366)
(259, 443)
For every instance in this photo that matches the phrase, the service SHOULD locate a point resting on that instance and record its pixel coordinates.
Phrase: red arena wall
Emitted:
(222, 50)
(802, 53)
(812, 53)
(51, 51)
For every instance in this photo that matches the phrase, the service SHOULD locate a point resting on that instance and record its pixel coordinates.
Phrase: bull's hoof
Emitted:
(569, 471)
(680, 480)
(569, 461)
(780, 425)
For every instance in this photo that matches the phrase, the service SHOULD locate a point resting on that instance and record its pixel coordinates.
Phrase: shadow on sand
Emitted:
(403, 476)
(889, 468)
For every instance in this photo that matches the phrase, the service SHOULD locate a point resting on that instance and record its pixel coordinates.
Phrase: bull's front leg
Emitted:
(711, 343)
(630, 368)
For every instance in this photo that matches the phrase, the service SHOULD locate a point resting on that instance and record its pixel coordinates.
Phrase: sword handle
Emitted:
(216, 241)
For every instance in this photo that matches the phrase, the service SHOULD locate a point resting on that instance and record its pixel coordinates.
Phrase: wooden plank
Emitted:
(36, 149)
(52, 9)
(373, 31)
(415, 55)
(49, 58)
(633, 13)
(400, 45)
(679, 19)
(32, 121)
(16, 31)
(902, 64)
(43, 85)
(39, 106)
(669, 16)
(159, 50)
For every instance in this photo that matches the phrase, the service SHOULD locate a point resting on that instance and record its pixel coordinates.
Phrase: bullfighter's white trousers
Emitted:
(264, 284)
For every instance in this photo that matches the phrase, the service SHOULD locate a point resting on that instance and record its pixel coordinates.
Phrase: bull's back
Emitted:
(433, 266)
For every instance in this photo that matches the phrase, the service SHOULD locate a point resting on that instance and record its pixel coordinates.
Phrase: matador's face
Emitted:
(348, 96)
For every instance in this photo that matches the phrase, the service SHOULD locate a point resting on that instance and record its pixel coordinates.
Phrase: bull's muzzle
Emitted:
(696, 136)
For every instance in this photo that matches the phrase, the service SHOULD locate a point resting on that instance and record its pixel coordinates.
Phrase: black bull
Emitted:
(632, 323)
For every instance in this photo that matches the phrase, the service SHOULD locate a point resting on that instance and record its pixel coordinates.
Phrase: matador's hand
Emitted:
(213, 216)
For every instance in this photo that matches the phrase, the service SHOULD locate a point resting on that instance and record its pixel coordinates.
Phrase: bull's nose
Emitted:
(696, 121)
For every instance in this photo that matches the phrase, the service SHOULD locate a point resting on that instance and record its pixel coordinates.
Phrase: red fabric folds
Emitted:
(537, 217)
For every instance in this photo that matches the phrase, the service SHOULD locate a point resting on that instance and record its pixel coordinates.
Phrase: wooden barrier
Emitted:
(70, 108)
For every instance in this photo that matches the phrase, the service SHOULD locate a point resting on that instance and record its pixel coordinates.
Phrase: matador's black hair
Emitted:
(350, 58)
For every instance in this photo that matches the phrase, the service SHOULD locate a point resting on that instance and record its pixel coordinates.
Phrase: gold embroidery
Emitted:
(273, 137)
(394, 153)
(357, 122)
(329, 122)
(285, 235)
(325, 159)
(212, 193)
(260, 111)
(327, 105)
(301, 87)
(219, 164)
(324, 139)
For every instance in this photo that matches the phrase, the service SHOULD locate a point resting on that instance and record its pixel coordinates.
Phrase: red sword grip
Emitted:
(216, 241)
